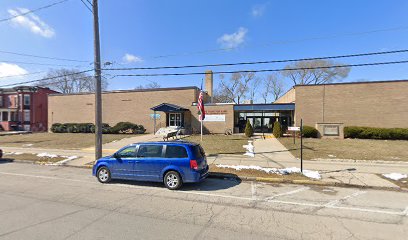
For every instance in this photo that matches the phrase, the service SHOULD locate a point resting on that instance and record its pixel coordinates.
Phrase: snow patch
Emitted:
(280, 171)
(395, 176)
(13, 153)
(44, 154)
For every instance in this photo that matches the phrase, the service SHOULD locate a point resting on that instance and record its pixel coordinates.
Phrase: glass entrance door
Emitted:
(175, 119)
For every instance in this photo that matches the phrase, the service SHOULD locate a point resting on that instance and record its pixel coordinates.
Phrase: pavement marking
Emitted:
(403, 213)
(334, 202)
(253, 190)
(287, 193)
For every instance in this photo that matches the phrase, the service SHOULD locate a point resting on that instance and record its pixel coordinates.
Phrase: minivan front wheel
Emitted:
(172, 180)
(104, 175)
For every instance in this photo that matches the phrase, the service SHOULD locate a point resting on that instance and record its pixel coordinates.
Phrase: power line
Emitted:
(25, 74)
(259, 62)
(32, 11)
(44, 57)
(48, 78)
(86, 5)
(261, 70)
(285, 42)
(41, 64)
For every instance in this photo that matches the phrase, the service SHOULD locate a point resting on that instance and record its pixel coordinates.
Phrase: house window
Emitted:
(1, 101)
(26, 100)
(26, 116)
(13, 116)
(5, 116)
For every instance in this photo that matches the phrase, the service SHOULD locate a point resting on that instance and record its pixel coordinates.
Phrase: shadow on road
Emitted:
(209, 184)
(6, 160)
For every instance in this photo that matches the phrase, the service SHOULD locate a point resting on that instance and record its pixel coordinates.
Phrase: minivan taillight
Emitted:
(193, 164)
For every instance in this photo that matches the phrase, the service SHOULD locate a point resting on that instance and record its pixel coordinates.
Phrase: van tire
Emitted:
(103, 175)
(172, 180)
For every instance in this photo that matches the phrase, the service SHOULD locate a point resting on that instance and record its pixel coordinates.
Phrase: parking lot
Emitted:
(50, 202)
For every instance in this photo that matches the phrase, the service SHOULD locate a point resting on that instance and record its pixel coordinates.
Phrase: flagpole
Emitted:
(201, 128)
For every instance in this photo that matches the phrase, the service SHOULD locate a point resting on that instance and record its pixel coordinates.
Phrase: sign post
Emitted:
(301, 145)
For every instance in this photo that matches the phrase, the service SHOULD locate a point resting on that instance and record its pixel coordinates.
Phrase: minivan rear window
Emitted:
(176, 152)
(198, 151)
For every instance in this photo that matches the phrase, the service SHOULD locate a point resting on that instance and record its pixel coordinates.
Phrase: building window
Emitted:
(1, 101)
(175, 119)
(5, 116)
(26, 116)
(13, 116)
(27, 100)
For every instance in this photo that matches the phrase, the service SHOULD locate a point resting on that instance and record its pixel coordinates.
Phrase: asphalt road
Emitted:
(50, 202)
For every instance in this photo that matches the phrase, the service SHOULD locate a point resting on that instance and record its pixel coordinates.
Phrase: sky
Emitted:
(149, 33)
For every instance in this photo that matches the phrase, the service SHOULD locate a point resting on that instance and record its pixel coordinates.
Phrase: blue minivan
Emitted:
(172, 163)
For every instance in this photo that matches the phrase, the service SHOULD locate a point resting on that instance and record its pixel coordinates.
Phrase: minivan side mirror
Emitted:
(115, 155)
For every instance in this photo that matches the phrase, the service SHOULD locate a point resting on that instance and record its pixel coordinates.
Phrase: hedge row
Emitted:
(376, 133)
(310, 132)
(121, 127)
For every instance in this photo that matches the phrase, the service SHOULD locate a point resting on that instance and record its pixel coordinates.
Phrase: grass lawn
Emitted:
(57, 140)
(216, 144)
(30, 157)
(256, 173)
(357, 149)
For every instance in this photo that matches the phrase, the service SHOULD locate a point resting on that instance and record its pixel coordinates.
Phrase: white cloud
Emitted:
(130, 58)
(234, 39)
(7, 69)
(258, 10)
(31, 22)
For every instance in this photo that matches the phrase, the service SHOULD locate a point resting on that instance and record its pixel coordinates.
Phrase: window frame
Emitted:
(185, 148)
(119, 156)
(162, 154)
(29, 100)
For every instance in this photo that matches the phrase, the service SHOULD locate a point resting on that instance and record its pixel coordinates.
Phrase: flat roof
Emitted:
(264, 107)
(361, 82)
(131, 90)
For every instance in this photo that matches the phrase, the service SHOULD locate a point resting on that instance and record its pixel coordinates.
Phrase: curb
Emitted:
(257, 179)
(302, 182)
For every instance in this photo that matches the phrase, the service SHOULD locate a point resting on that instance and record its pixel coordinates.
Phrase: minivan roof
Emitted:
(168, 142)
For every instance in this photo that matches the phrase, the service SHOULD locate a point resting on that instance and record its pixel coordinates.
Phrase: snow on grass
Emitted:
(395, 176)
(45, 154)
(280, 171)
(13, 153)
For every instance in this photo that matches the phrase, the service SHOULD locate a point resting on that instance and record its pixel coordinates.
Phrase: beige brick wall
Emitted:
(288, 97)
(214, 127)
(117, 106)
(381, 104)
(132, 106)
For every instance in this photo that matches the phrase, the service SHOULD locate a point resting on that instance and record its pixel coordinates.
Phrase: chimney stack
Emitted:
(209, 84)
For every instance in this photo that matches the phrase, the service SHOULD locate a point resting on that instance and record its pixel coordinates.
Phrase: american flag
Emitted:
(200, 106)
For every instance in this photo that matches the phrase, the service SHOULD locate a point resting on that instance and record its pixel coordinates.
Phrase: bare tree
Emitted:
(149, 85)
(253, 88)
(272, 84)
(70, 81)
(315, 72)
(236, 87)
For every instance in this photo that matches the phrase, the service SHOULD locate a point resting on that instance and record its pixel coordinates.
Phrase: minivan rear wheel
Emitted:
(172, 180)
(104, 175)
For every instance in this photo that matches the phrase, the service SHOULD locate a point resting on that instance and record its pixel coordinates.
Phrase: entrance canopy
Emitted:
(167, 107)
(265, 107)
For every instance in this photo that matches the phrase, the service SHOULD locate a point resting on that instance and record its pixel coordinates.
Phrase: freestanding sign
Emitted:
(294, 128)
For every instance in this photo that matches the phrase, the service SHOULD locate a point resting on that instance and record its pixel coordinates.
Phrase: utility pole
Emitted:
(98, 80)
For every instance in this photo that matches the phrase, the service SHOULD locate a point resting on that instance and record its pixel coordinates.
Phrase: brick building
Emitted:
(328, 107)
(332, 106)
(24, 108)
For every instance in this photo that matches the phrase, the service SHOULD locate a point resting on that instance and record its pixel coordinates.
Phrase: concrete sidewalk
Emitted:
(271, 153)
